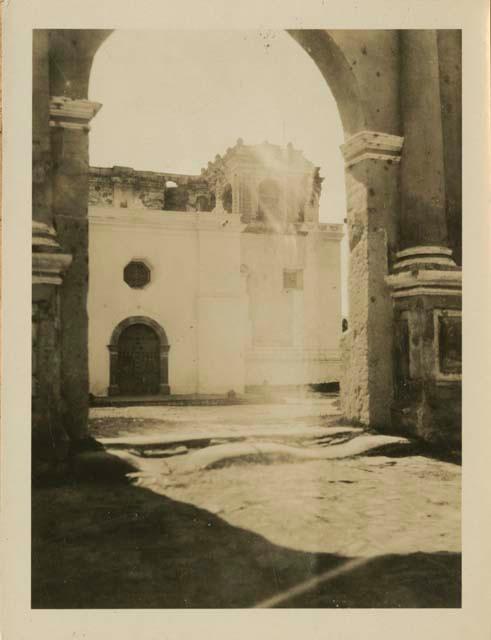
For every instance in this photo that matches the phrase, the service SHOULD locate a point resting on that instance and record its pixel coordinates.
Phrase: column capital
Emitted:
(372, 145)
(72, 114)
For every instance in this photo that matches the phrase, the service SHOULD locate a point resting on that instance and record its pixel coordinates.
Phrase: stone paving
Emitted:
(361, 506)
(236, 535)
(166, 421)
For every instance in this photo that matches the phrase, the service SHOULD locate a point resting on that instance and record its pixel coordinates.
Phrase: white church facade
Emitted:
(225, 281)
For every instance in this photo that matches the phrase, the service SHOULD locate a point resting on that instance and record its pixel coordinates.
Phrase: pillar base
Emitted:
(428, 355)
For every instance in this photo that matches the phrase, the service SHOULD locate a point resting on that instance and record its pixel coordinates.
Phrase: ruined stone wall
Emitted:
(126, 188)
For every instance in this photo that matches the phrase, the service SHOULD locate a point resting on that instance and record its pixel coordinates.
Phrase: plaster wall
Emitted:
(220, 308)
(173, 252)
(294, 332)
(227, 329)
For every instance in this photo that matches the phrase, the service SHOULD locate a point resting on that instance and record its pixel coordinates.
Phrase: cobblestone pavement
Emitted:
(237, 535)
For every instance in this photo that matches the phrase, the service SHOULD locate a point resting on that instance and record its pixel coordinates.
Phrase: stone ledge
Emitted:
(72, 114)
(373, 145)
(425, 282)
(434, 257)
(47, 268)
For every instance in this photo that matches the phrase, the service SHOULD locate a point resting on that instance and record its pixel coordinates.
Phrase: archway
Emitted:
(138, 353)
(349, 63)
(365, 71)
(370, 121)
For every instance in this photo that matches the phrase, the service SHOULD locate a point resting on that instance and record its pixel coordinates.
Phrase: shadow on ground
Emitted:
(120, 546)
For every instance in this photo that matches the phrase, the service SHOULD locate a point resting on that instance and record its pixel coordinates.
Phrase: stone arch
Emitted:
(164, 347)
(350, 62)
(332, 62)
(327, 49)
(127, 322)
(72, 53)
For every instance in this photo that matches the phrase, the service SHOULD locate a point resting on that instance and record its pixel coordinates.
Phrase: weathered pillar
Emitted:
(372, 168)
(49, 439)
(69, 123)
(426, 283)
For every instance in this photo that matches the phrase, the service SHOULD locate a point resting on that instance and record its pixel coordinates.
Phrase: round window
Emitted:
(136, 274)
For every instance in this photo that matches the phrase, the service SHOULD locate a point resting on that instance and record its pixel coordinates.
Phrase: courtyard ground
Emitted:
(383, 527)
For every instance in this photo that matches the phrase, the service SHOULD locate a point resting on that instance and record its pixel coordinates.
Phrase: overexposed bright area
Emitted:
(172, 100)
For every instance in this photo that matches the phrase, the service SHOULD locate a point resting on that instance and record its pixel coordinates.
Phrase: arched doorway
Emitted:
(138, 361)
(139, 358)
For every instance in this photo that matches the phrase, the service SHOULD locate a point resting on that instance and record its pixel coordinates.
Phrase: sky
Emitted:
(172, 100)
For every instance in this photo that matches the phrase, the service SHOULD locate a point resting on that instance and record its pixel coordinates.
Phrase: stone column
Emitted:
(425, 283)
(49, 438)
(69, 123)
(372, 170)
(49, 263)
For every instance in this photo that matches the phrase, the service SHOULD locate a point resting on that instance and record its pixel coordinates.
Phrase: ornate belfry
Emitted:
(265, 184)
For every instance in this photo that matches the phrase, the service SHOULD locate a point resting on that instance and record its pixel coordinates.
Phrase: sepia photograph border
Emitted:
(473, 620)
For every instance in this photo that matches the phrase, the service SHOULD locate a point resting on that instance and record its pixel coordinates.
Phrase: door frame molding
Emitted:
(164, 347)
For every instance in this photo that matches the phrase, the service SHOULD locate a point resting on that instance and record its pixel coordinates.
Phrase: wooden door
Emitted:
(138, 361)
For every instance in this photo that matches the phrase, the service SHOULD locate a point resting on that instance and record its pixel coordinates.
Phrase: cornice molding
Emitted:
(373, 145)
(48, 263)
(43, 238)
(425, 282)
(67, 113)
(48, 268)
(437, 257)
(168, 221)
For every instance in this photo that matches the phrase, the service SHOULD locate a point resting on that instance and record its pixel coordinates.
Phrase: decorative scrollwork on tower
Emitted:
(215, 177)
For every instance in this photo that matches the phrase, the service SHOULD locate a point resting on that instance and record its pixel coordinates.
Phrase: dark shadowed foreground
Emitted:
(122, 546)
